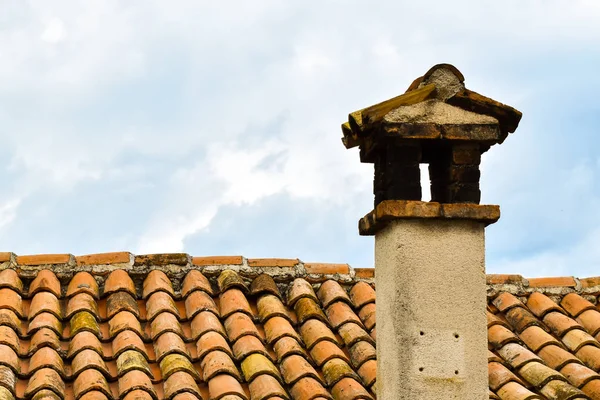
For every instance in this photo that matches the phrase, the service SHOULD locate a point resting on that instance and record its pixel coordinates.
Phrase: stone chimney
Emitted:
(429, 256)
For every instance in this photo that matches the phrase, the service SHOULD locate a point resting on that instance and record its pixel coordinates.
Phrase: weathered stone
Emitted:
(163, 259)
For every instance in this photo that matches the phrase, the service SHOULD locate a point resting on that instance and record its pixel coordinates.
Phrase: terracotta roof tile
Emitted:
(368, 316)
(164, 322)
(257, 364)
(308, 389)
(331, 291)
(238, 325)
(262, 284)
(278, 327)
(541, 304)
(51, 321)
(121, 301)
(513, 390)
(8, 379)
(352, 333)
(566, 281)
(590, 319)
(45, 378)
(590, 355)
(271, 306)
(92, 337)
(295, 367)
(536, 338)
(127, 340)
(9, 337)
(121, 257)
(337, 369)
(247, 345)
(365, 273)
(87, 359)
(325, 351)
(362, 352)
(499, 376)
(230, 279)
(506, 301)
(349, 389)
(313, 331)
(287, 346)
(560, 389)
(300, 289)
(206, 321)
(520, 319)
(46, 357)
(517, 355)
(575, 304)
(44, 259)
(217, 260)
(10, 279)
(362, 293)
(273, 262)
(368, 372)
(232, 301)
(194, 280)
(119, 280)
(560, 324)
(156, 281)
(218, 362)
(326, 269)
(9, 358)
(160, 302)
(12, 301)
(224, 385)
(266, 387)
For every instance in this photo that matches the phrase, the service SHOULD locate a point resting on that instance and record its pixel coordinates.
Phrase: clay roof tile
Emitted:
(83, 282)
(362, 293)
(45, 280)
(223, 385)
(119, 280)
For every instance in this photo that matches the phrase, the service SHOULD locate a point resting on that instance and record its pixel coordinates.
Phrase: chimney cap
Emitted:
(437, 98)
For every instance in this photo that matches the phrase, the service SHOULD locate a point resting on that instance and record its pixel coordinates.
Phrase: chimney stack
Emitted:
(429, 256)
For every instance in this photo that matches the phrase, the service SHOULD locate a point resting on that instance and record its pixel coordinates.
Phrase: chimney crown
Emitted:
(437, 121)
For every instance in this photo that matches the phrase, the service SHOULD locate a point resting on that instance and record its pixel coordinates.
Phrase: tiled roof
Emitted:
(177, 327)
(180, 327)
(543, 337)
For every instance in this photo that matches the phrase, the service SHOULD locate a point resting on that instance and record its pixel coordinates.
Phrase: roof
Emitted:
(180, 327)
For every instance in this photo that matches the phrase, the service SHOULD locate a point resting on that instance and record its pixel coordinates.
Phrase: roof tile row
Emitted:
(232, 339)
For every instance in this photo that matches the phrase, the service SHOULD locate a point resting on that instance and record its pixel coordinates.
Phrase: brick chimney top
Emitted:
(437, 121)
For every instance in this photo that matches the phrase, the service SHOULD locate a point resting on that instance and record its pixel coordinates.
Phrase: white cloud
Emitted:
(8, 212)
(54, 31)
(214, 105)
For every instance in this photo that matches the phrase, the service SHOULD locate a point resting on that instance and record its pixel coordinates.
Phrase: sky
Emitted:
(213, 128)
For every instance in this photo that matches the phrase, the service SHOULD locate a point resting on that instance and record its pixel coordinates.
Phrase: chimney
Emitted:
(429, 256)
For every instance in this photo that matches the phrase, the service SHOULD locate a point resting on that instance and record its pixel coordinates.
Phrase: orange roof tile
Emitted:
(122, 326)
(216, 327)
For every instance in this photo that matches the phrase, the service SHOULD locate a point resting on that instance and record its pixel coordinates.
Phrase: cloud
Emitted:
(8, 212)
(147, 127)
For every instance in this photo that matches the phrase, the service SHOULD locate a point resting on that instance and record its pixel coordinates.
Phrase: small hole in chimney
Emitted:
(456, 335)
(421, 333)
(456, 372)
(421, 369)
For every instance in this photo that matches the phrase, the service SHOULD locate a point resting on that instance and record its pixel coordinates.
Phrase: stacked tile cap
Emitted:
(107, 336)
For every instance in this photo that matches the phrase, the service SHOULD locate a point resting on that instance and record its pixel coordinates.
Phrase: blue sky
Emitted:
(214, 129)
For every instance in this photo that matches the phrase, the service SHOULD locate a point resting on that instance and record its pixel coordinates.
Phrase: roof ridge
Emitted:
(178, 264)
(553, 285)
